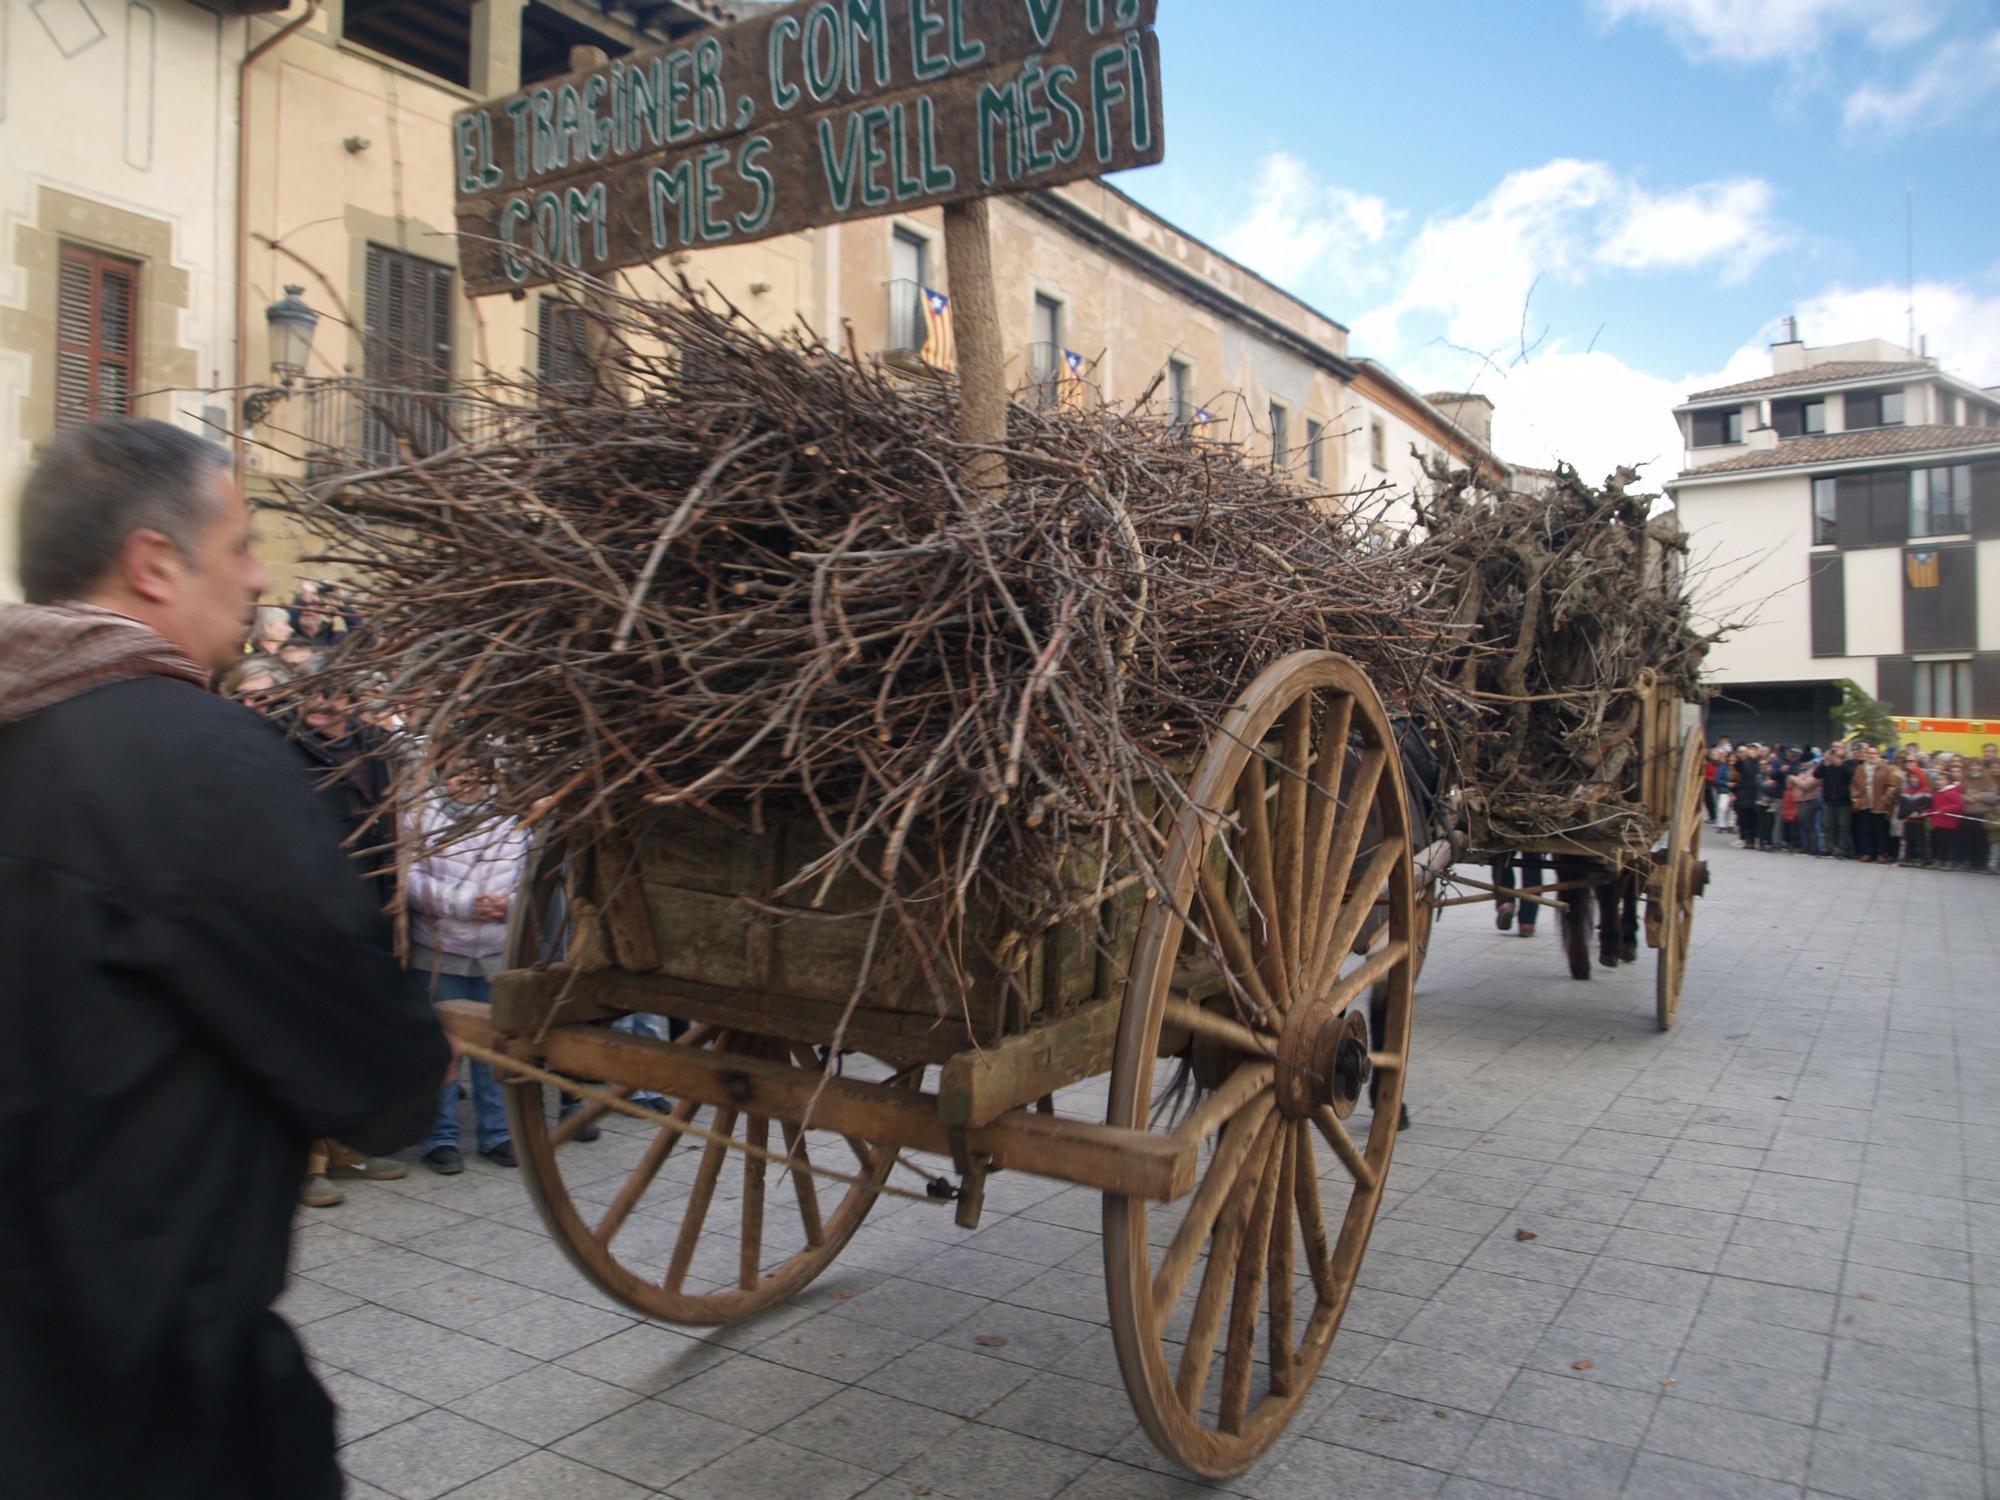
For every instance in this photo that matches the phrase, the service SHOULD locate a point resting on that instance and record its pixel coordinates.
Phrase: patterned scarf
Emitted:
(50, 652)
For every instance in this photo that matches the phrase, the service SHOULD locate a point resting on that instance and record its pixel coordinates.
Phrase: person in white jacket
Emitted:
(458, 899)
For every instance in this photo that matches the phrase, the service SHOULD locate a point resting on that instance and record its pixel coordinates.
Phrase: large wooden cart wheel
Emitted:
(1679, 876)
(1298, 816)
(742, 1235)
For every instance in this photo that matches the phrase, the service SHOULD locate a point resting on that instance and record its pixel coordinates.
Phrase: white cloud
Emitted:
(1586, 407)
(1592, 409)
(1300, 229)
(1961, 324)
(1725, 224)
(1955, 81)
(1564, 220)
(1764, 31)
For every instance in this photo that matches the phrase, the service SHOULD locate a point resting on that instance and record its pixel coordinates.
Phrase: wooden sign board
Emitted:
(825, 111)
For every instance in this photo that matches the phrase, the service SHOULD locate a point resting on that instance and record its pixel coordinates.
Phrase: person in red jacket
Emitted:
(1947, 817)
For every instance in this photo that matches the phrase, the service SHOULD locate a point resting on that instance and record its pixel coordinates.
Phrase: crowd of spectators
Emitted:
(1902, 806)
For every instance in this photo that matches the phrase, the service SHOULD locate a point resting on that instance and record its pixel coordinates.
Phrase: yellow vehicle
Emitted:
(1967, 737)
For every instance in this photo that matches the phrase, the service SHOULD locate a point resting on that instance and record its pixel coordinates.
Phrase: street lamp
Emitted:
(290, 323)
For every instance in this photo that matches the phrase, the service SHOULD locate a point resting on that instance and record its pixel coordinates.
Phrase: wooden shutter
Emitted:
(1864, 409)
(1986, 685)
(1889, 506)
(1986, 501)
(1827, 585)
(408, 320)
(562, 361)
(1895, 683)
(1851, 506)
(97, 310)
(408, 323)
(1944, 617)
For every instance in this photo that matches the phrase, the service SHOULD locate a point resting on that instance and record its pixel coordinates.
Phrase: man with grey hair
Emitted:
(194, 983)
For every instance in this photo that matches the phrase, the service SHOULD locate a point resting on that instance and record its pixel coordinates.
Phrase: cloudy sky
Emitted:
(1587, 208)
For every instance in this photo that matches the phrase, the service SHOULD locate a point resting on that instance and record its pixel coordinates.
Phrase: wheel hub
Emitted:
(1322, 1060)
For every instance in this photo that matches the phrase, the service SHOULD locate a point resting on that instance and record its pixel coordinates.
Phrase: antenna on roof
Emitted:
(1910, 261)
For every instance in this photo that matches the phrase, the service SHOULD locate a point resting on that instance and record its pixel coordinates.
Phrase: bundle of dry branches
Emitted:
(744, 573)
(1569, 600)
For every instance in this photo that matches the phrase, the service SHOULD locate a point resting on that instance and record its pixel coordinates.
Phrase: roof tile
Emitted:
(1827, 374)
(1834, 447)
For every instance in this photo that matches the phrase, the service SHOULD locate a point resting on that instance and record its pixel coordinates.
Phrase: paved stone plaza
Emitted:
(1757, 1257)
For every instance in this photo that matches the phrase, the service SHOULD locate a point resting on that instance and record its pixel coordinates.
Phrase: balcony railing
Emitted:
(1043, 387)
(350, 425)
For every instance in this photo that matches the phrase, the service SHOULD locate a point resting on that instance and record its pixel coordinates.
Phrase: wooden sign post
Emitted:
(822, 112)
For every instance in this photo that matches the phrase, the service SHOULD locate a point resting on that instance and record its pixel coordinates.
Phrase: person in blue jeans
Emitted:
(458, 894)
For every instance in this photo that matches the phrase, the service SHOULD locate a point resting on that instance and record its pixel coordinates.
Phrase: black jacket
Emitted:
(194, 982)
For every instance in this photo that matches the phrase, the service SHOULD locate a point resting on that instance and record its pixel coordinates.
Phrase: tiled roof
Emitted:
(1853, 369)
(1836, 447)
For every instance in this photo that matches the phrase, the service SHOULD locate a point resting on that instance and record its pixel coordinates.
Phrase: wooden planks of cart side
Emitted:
(825, 111)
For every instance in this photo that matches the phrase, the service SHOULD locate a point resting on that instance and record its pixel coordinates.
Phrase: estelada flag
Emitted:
(1071, 376)
(1922, 569)
(938, 351)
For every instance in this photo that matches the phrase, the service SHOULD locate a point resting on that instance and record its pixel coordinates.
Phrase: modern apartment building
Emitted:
(1847, 507)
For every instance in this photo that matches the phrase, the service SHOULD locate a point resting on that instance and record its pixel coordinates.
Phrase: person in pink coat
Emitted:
(458, 897)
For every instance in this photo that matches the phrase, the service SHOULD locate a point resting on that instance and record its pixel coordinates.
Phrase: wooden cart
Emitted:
(1242, 1221)
(1661, 860)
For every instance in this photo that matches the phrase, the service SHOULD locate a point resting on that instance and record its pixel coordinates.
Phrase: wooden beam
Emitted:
(982, 1084)
(590, 18)
(1109, 1158)
(527, 1001)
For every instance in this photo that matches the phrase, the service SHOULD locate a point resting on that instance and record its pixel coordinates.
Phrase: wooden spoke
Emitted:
(699, 1200)
(1279, 1349)
(1329, 765)
(1242, 1087)
(1267, 940)
(1295, 747)
(1312, 1227)
(1235, 946)
(1331, 894)
(1325, 863)
(1205, 1022)
(635, 1186)
(802, 1182)
(583, 1117)
(1338, 939)
(1357, 979)
(1239, 1351)
(1218, 1279)
(756, 1133)
(1222, 1176)
(1343, 1146)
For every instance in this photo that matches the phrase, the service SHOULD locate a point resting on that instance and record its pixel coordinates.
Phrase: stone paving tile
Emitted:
(765, 1467)
(652, 1444)
(429, 1455)
(1771, 1239)
(543, 1476)
(544, 1403)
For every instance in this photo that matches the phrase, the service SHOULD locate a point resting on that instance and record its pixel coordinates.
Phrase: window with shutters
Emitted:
(97, 308)
(1315, 446)
(562, 359)
(1942, 689)
(1712, 429)
(1281, 438)
(407, 320)
(1872, 509)
(1940, 602)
